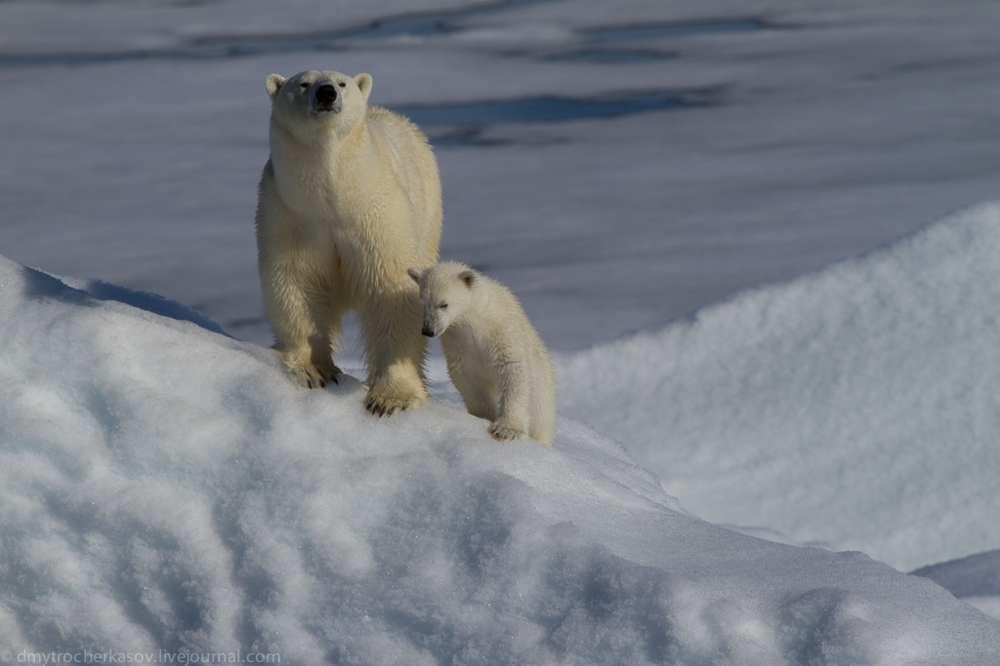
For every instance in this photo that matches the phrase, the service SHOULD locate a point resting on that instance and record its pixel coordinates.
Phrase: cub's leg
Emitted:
(512, 420)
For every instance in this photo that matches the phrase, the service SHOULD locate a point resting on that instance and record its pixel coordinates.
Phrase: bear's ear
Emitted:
(364, 82)
(415, 274)
(274, 83)
(468, 277)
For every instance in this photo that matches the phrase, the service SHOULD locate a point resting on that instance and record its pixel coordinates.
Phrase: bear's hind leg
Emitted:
(325, 351)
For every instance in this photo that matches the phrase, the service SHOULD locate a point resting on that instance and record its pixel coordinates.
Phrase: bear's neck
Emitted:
(322, 167)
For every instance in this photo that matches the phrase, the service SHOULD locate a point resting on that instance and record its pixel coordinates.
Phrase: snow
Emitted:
(167, 491)
(855, 407)
(722, 281)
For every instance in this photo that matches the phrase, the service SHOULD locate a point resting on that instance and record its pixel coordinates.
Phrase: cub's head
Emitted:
(445, 292)
(315, 101)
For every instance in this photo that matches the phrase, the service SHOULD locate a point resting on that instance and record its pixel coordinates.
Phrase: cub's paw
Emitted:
(504, 432)
(386, 403)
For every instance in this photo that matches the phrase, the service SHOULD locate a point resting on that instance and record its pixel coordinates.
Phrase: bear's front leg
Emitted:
(305, 369)
(513, 410)
(395, 350)
(304, 324)
(301, 307)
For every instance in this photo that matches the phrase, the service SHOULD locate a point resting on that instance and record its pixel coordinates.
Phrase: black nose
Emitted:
(429, 332)
(326, 94)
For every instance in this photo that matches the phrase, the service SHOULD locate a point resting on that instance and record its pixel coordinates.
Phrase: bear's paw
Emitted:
(386, 402)
(503, 432)
(313, 376)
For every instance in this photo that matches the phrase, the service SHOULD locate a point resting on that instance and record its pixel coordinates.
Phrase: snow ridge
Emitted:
(164, 487)
(855, 406)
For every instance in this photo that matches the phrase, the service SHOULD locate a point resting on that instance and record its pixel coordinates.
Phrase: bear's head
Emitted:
(318, 102)
(445, 291)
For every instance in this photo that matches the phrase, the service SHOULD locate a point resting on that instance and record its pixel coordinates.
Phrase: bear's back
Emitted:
(400, 130)
(407, 150)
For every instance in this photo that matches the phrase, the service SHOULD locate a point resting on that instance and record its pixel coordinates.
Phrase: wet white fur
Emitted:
(349, 199)
(495, 358)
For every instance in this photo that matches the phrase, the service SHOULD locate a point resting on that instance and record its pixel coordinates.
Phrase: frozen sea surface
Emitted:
(806, 135)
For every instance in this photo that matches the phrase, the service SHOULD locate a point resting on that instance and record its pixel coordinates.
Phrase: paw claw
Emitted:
(504, 433)
(311, 377)
(388, 404)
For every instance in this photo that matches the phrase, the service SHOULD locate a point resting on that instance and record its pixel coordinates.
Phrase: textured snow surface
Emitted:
(858, 406)
(165, 488)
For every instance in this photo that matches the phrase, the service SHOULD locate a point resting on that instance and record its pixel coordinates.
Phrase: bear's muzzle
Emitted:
(325, 97)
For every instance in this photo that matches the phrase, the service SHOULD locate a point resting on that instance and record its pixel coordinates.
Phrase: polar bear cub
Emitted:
(349, 199)
(495, 358)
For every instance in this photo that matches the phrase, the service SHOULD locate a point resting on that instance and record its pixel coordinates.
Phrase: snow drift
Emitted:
(166, 491)
(857, 407)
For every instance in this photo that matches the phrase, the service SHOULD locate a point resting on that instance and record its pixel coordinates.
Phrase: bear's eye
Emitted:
(304, 85)
(442, 306)
(341, 84)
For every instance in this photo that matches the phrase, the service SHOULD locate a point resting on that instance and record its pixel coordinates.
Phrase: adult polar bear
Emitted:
(349, 200)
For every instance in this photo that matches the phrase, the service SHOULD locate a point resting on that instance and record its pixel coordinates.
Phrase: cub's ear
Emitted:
(274, 83)
(468, 277)
(364, 82)
(415, 274)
